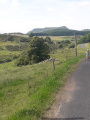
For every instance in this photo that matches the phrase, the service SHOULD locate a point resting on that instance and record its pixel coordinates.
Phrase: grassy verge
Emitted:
(27, 92)
(18, 101)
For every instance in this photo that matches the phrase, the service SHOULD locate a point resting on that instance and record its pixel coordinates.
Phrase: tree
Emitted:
(60, 46)
(85, 39)
(71, 45)
(48, 39)
(38, 50)
(31, 35)
(10, 38)
(23, 59)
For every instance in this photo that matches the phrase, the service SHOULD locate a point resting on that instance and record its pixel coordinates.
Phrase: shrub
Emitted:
(37, 51)
(23, 39)
(1, 48)
(10, 38)
(60, 46)
(22, 60)
(85, 39)
(48, 39)
(71, 45)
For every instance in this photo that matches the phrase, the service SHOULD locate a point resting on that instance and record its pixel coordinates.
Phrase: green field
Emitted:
(27, 92)
(12, 46)
(60, 38)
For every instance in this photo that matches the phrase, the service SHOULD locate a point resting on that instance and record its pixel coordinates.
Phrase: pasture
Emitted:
(27, 92)
(60, 38)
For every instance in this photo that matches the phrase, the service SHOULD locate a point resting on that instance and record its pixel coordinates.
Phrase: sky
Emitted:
(25, 15)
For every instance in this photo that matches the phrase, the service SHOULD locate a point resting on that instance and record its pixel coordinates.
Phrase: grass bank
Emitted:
(27, 92)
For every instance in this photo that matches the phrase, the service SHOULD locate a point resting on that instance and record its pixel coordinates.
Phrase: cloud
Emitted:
(3, 1)
(22, 15)
(46, 0)
(50, 9)
(15, 3)
(84, 3)
(81, 3)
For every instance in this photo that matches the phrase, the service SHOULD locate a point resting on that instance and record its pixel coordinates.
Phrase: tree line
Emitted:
(85, 39)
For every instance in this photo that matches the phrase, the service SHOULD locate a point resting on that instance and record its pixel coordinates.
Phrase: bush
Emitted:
(60, 46)
(37, 51)
(12, 48)
(1, 48)
(85, 39)
(10, 38)
(48, 39)
(22, 60)
(16, 47)
(24, 39)
(31, 35)
(71, 45)
(63, 43)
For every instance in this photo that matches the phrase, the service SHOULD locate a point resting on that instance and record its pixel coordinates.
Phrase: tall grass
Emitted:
(27, 92)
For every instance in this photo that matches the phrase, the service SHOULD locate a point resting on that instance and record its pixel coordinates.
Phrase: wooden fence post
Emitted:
(53, 64)
(75, 44)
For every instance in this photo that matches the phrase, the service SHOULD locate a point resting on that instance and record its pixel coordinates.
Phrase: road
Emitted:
(75, 104)
(83, 45)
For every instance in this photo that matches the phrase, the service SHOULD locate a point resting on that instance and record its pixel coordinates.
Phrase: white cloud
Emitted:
(3, 1)
(50, 9)
(15, 3)
(80, 3)
(46, 1)
(84, 3)
(23, 15)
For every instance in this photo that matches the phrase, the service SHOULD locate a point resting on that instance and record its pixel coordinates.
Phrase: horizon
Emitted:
(23, 16)
(43, 28)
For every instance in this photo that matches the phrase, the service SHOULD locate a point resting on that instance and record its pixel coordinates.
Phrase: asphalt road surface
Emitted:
(83, 45)
(75, 104)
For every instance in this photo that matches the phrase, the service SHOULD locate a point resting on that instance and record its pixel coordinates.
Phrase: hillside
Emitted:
(38, 30)
(57, 31)
(11, 46)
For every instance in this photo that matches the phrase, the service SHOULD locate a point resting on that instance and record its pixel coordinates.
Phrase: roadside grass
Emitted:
(82, 50)
(41, 100)
(27, 92)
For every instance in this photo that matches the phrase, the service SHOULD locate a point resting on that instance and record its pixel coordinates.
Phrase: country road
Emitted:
(83, 45)
(75, 101)
(76, 98)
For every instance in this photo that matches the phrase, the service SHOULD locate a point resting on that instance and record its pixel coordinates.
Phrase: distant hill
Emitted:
(86, 30)
(38, 30)
(57, 31)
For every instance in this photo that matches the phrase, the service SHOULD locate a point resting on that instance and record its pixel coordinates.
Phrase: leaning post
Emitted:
(75, 44)
(53, 64)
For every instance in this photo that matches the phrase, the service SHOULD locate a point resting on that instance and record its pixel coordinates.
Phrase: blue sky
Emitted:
(24, 15)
